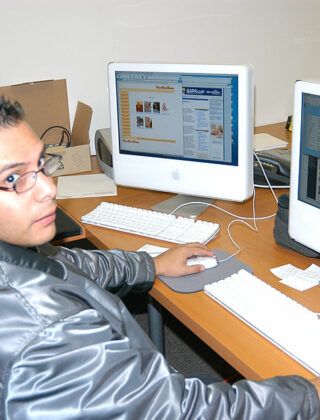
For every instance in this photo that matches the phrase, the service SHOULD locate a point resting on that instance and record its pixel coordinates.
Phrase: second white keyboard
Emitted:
(150, 223)
(287, 324)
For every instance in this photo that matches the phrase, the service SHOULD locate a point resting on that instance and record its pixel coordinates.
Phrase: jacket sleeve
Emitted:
(119, 272)
(103, 374)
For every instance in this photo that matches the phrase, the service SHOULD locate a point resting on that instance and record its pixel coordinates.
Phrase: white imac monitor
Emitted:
(304, 208)
(186, 129)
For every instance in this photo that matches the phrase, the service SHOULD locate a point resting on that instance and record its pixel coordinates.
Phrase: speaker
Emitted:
(280, 230)
(103, 145)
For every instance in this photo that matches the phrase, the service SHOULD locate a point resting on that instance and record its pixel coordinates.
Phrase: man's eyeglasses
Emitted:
(28, 180)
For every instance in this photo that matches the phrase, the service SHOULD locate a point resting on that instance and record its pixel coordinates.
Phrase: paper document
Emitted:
(264, 141)
(153, 250)
(296, 277)
(92, 185)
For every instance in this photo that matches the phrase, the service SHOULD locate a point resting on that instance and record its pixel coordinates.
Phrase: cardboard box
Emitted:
(47, 111)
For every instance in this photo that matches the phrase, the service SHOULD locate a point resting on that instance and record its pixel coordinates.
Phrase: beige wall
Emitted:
(74, 39)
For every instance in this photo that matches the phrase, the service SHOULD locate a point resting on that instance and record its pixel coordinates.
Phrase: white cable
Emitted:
(254, 228)
(275, 187)
(239, 219)
(223, 210)
(265, 175)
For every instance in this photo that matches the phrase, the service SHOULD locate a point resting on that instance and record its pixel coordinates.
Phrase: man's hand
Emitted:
(173, 262)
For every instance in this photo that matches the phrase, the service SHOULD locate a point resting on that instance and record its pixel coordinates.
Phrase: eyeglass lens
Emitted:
(28, 180)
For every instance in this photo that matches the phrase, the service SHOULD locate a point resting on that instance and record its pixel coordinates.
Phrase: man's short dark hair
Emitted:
(11, 114)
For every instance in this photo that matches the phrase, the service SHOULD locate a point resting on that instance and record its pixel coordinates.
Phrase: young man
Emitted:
(69, 348)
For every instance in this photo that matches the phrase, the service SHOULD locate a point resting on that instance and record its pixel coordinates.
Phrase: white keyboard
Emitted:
(150, 223)
(286, 323)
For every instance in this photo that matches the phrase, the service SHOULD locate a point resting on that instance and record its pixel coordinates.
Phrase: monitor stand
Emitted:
(192, 210)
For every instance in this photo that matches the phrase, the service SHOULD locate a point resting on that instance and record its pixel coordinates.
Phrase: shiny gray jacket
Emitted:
(69, 349)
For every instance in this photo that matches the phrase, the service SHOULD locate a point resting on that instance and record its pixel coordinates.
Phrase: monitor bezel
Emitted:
(234, 183)
(304, 226)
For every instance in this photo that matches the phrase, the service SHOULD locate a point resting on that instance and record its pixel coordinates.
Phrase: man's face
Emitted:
(27, 218)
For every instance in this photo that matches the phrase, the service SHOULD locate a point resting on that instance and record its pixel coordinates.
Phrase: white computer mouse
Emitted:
(207, 262)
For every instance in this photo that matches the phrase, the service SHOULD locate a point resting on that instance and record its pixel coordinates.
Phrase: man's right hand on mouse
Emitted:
(173, 262)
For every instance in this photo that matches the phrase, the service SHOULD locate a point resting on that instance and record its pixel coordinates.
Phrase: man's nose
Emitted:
(46, 185)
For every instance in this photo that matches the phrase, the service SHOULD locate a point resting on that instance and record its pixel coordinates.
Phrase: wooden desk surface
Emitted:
(249, 353)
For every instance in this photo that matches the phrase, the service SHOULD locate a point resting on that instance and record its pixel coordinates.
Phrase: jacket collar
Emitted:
(28, 258)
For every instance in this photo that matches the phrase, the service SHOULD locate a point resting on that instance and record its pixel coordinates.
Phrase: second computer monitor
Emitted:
(304, 210)
(181, 128)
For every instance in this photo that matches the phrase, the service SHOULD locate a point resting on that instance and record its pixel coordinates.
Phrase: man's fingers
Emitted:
(193, 269)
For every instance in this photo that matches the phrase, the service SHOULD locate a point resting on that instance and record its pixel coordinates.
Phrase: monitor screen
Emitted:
(304, 212)
(183, 128)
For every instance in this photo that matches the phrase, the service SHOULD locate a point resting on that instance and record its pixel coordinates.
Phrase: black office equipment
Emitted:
(276, 164)
(66, 226)
(280, 230)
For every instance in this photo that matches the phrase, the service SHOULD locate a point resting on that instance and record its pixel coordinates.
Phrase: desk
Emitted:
(252, 355)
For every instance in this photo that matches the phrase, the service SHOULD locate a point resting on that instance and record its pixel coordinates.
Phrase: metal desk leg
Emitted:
(155, 322)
